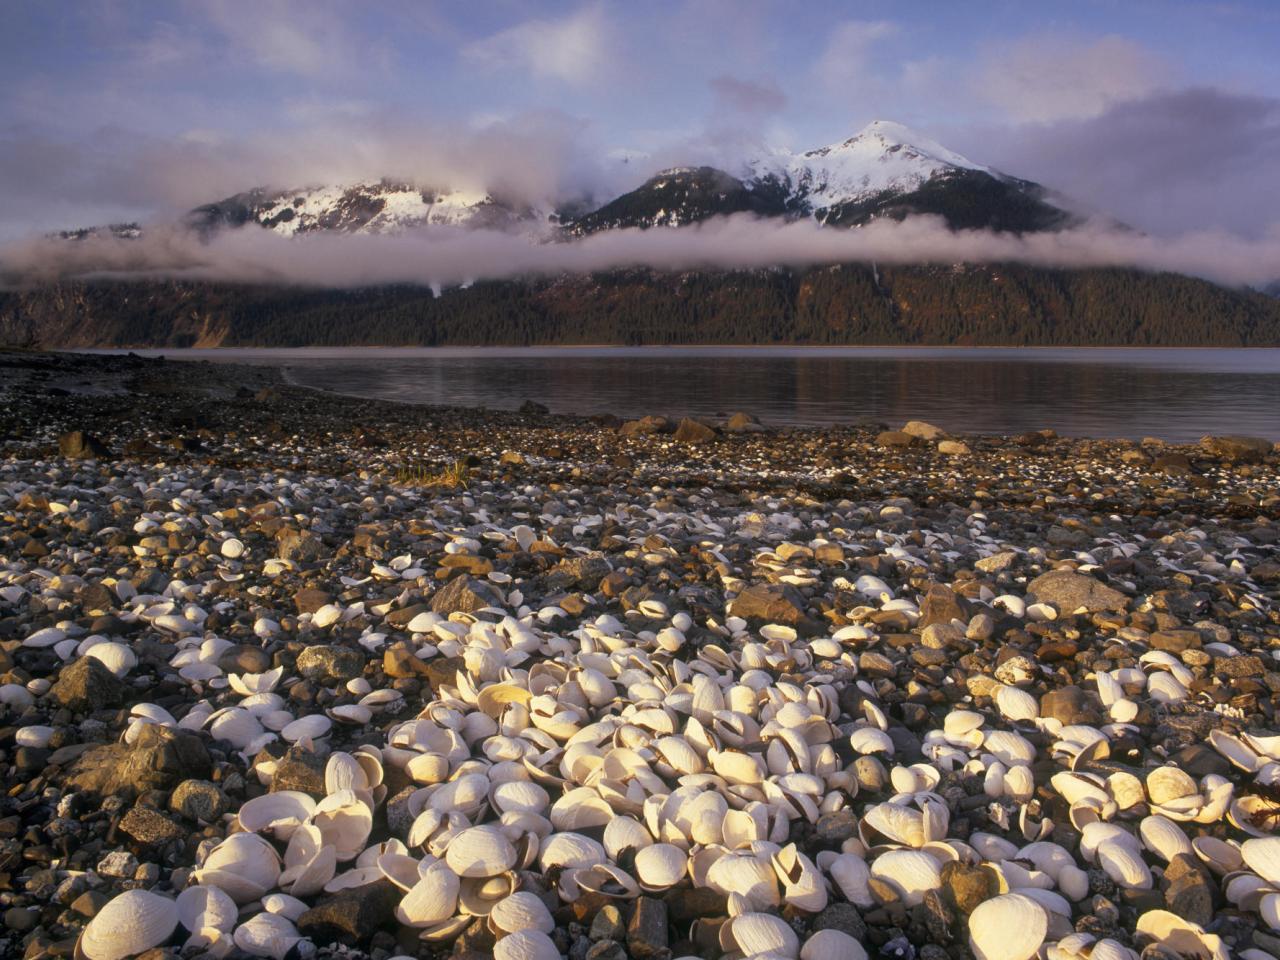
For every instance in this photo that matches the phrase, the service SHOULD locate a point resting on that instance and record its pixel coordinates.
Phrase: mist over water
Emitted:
(1176, 395)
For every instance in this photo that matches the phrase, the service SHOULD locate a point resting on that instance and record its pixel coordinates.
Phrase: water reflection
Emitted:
(1174, 394)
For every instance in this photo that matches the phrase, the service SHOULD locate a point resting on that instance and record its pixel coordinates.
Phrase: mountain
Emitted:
(375, 206)
(886, 170)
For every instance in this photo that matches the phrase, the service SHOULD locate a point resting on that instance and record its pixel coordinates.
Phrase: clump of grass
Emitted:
(452, 477)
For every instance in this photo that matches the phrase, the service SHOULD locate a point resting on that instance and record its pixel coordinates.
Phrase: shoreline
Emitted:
(215, 584)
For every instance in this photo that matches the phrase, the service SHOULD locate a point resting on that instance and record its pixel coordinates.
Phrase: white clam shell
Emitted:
(267, 935)
(1262, 855)
(244, 866)
(764, 934)
(276, 814)
(832, 945)
(480, 852)
(202, 906)
(659, 866)
(1008, 927)
(432, 899)
(913, 872)
(521, 911)
(526, 945)
(131, 923)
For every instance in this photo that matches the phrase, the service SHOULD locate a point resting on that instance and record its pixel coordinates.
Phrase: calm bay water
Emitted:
(1177, 395)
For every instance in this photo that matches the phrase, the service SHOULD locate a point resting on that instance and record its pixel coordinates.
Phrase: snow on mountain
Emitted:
(884, 156)
(373, 206)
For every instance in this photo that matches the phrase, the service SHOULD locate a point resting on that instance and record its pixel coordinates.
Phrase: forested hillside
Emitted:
(995, 305)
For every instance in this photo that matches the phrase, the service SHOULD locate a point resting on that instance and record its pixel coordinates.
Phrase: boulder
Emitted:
(770, 603)
(895, 438)
(1071, 592)
(1237, 449)
(463, 595)
(925, 431)
(86, 686)
(691, 431)
(156, 760)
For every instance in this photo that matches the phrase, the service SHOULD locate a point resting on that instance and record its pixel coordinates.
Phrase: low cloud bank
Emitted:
(442, 257)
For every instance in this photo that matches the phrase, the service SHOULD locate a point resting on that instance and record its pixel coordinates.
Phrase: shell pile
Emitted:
(591, 716)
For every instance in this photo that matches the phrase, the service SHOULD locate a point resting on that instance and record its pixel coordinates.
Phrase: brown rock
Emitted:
(463, 595)
(1070, 591)
(691, 431)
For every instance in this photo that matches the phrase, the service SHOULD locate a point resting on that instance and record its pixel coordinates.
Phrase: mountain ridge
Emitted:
(884, 170)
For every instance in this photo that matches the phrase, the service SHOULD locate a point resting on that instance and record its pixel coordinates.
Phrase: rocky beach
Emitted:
(288, 674)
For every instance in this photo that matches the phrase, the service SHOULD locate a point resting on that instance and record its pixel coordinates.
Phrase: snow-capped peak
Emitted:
(884, 138)
(882, 156)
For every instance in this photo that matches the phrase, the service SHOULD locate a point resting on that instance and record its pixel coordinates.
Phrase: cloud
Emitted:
(52, 182)
(1046, 78)
(308, 38)
(1169, 162)
(746, 96)
(845, 64)
(447, 257)
(573, 49)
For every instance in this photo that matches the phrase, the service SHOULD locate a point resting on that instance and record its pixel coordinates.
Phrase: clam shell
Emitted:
(432, 899)
(480, 852)
(276, 814)
(1167, 784)
(311, 727)
(625, 833)
(202, 906)
(521, 911)
(1123, 865)
(1016, 704)
(1163, 837)
(659, 866)
(1008, 927)
(764, 934)
(832, 945)
(116, 657)
(913, 872)
(244, 866)
(1262, 855)
(526, 945)
(1180, 936)
(131, 923)
(267, 935)
(344, 822)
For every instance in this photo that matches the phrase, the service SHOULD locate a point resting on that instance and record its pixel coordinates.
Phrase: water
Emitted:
(1174, 394)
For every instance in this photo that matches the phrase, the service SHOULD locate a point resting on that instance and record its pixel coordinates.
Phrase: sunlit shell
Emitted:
(659, 866)
(131, 923)
(526, 945)
(480, 852)
(914, 873)
(763, 934)
(432, 899)
(267, 935)
(276, 814)
(521, 911)
(1008, 927)
(204, 906)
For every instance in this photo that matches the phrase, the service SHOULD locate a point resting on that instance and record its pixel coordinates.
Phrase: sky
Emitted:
(1162, 113)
